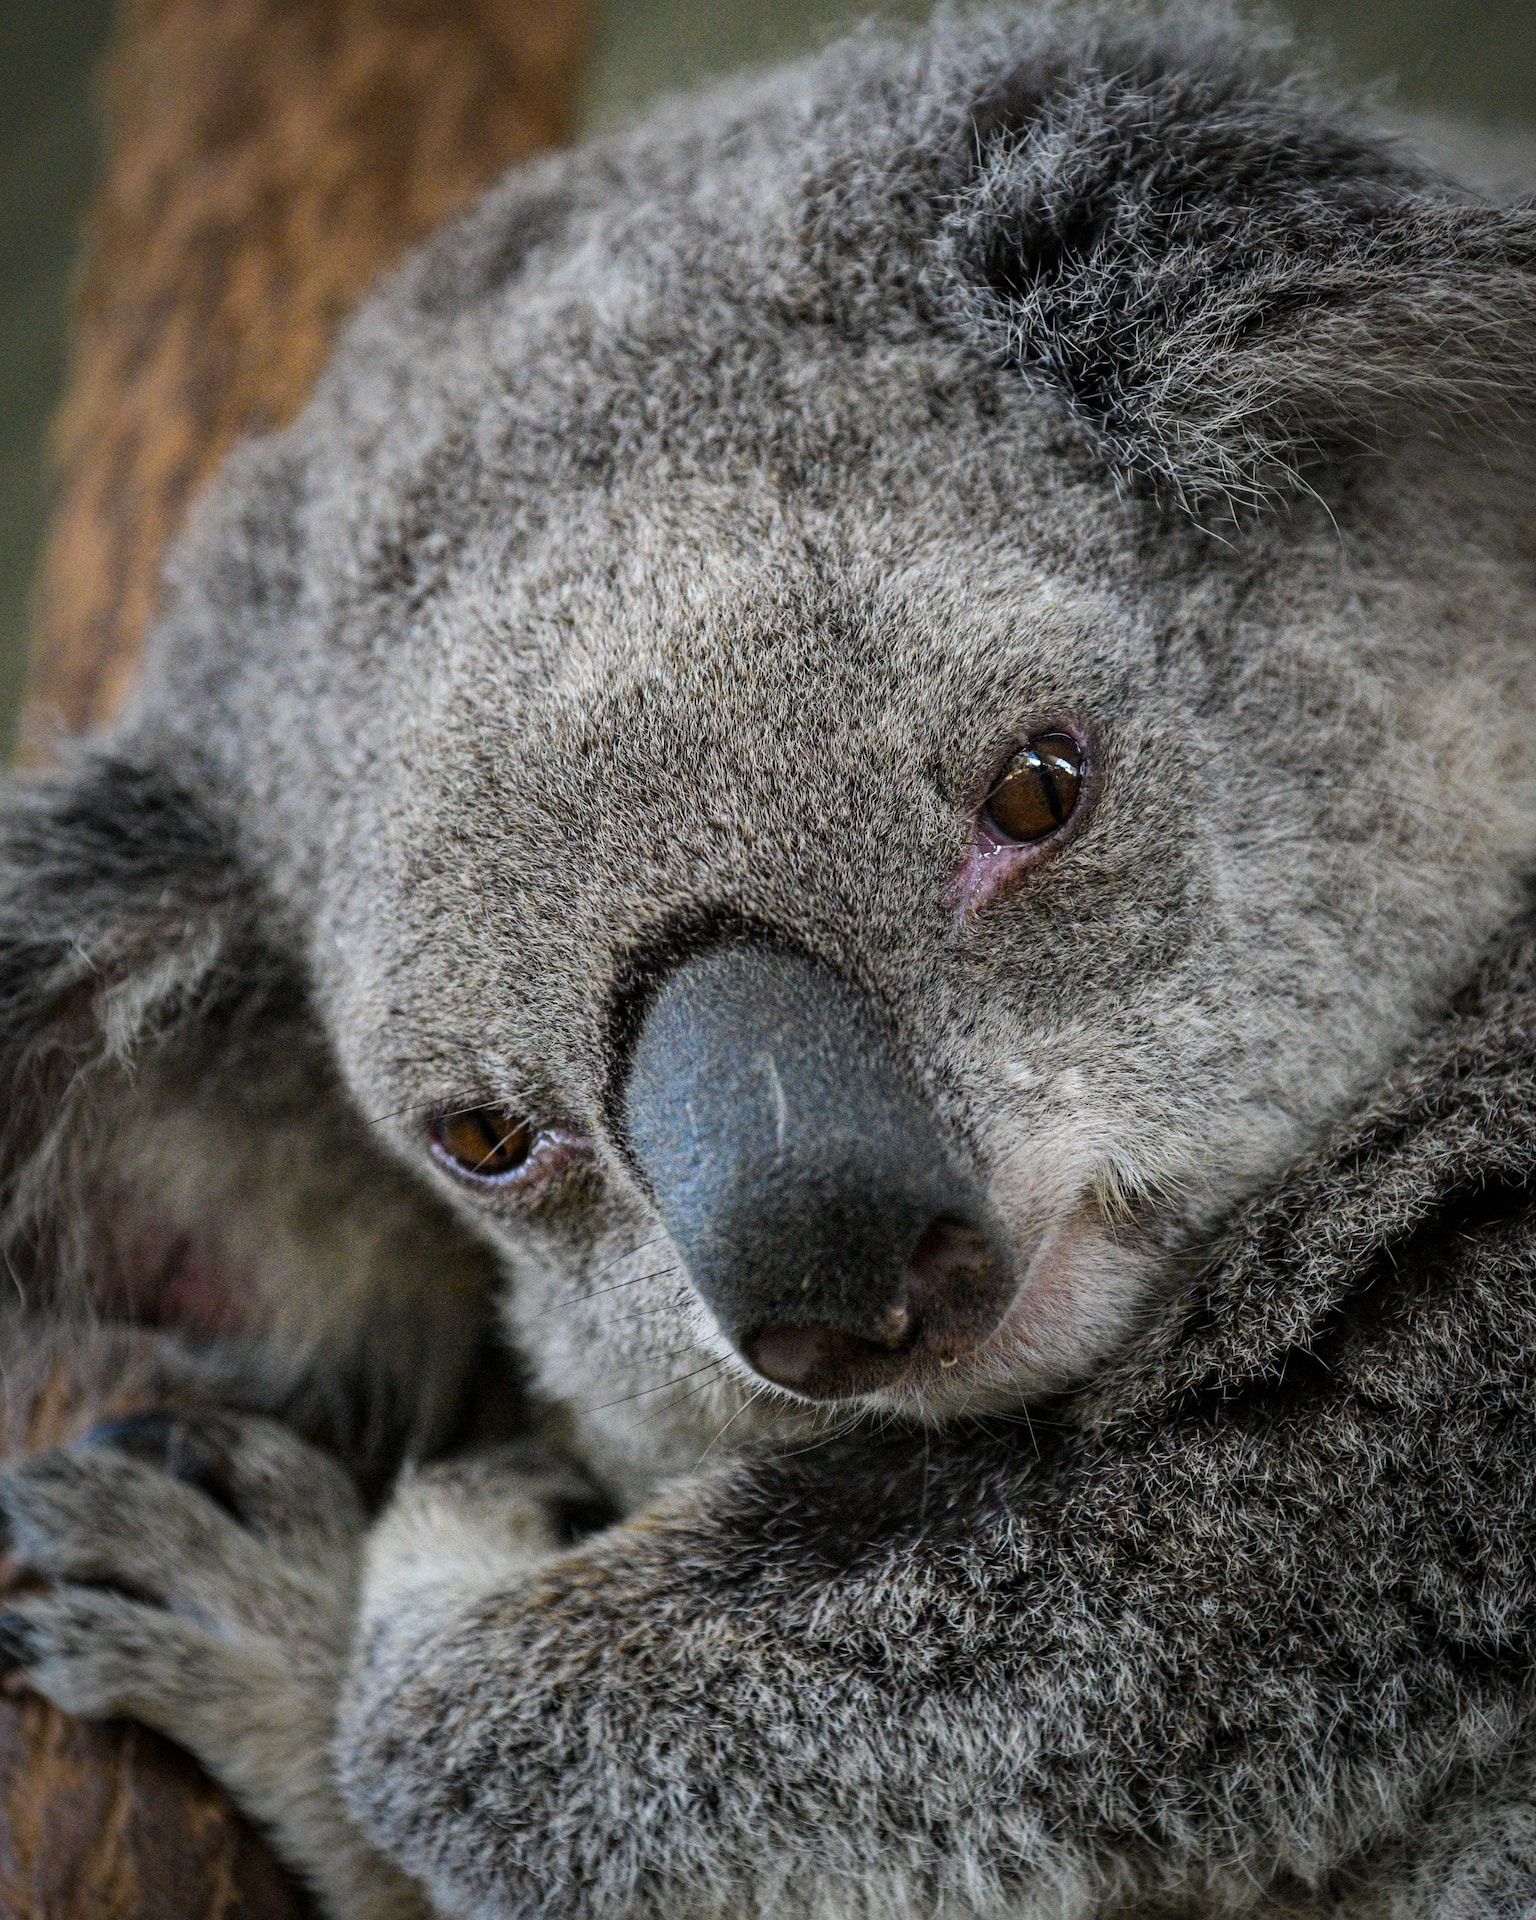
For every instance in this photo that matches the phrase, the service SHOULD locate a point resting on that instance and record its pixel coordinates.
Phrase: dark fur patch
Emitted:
(101, 872)
(1230, 280)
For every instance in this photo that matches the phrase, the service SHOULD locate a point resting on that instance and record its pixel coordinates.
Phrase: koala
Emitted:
(865, 785)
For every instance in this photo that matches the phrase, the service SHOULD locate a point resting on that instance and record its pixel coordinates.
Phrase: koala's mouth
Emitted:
(976, 1347)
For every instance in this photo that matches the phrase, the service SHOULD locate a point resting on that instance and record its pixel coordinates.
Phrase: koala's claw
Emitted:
(103, 1517)
(199, 1452)
(230, 1523)
(176, 1545)
(262, 1475)
(101, 1655)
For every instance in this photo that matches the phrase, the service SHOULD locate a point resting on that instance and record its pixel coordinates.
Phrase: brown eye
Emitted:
(1037, 790)
(487, 1143)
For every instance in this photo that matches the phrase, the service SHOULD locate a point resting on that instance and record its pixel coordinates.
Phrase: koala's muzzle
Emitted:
(821, 1213)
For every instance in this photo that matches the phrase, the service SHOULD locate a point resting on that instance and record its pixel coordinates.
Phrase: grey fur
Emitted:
(671, 555)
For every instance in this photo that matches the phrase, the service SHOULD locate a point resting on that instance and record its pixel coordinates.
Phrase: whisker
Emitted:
(636, 1313)
(842, 1426)
(655, 1413)
(754, 1394)
(629, 1253)
(420, 1106)
(644, 1392)
(598, 1293)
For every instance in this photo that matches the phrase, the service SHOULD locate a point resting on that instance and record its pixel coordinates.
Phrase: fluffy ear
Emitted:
(116, 888)
(176, 1147)
(1228, 279)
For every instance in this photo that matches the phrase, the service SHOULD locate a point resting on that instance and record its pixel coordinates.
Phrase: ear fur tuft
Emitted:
(115, 887)
(1228, 279)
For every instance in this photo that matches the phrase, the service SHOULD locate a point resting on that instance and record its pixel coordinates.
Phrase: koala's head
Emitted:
(857, 711)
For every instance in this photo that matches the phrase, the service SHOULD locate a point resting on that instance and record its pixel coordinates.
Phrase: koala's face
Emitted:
(845, 897)
(848, 962)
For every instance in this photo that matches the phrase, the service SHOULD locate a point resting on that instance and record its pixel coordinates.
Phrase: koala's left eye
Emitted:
(1038, 789)
(486, 1143)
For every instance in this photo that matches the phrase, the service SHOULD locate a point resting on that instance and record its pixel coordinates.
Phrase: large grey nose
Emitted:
(833, 1231)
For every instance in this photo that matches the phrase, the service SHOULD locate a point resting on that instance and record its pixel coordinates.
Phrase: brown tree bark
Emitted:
(266, 160)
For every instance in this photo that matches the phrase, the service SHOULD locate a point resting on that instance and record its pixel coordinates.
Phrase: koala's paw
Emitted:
(194, 1558)
(203, 1576)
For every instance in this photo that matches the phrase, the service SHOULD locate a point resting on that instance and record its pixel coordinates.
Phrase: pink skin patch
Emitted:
(990, 867)
(557, 1153)
(158, 1277)
(1043, 1305)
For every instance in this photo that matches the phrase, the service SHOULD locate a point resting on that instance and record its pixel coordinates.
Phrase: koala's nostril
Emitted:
(821, 1361)
(951, 1305)
(951, 1266)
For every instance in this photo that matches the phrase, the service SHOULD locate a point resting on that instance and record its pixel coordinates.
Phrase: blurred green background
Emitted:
(1470, 57)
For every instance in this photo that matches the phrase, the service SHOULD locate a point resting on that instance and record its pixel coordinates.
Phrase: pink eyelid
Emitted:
(992, 865)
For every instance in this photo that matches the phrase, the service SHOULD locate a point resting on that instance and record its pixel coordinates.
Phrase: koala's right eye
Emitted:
(483, 1143)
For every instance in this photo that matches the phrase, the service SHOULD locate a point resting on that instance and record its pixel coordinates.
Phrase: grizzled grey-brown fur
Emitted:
(632, 632)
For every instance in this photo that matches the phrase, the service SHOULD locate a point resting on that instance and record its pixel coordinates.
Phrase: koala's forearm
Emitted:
(1212, 1646)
